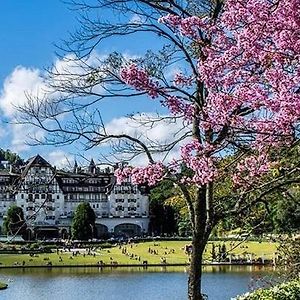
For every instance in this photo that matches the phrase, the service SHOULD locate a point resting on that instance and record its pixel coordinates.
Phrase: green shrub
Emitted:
(39, 247)
(105, 245)
(284, 291)
(35, 246)
(47, 249)
(3, 286)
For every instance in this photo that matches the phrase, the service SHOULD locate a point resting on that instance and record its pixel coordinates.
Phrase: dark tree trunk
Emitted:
(201, 231)
(195, 274)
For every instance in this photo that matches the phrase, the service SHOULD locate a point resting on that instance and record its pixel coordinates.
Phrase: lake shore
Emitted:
(141, 255)
(145, 266)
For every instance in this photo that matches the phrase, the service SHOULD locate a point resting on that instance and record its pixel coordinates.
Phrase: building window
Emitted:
(43, 196)
(120, 200)
(119, 208)
(131, 208)
(36, 196)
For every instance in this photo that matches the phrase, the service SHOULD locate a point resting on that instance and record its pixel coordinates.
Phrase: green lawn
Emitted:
(172, 251)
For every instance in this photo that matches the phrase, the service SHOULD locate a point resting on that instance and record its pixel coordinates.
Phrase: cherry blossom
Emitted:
(251, 169)
(178, 106)
(150, 174)
(181, 80)
(250, 67)
(139, 79)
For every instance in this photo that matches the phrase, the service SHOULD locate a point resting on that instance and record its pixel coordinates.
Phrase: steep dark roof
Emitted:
(35, 161)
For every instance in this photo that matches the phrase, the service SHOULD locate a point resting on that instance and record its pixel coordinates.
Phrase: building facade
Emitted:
(49, 198)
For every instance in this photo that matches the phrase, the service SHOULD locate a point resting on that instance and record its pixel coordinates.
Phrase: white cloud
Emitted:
(68, 71)
(60, 159)
(21, 81)
(32, 81)
(21, 134)
(137, 19)
(148, 126)
(160, 132)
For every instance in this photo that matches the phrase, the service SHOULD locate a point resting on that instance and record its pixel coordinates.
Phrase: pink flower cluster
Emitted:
(253, 62)
(188, 27)
(250, 67)
(251, 169)
(177, 106)
(194, 148)
(150, 174)
(140, 80)
(198, 158)
(181, 80)
(122, 174)
(170, 20)
(204, 169)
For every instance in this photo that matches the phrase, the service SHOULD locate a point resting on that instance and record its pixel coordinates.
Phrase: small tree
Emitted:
(162, 220)
(83, 223)
(14, 223)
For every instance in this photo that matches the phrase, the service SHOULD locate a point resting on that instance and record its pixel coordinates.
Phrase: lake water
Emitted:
(220, 283)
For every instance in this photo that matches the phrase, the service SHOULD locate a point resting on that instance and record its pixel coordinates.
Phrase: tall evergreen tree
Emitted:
(11, 157)
(83, 224)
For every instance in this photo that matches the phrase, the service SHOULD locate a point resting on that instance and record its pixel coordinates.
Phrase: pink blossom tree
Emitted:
(236, 92)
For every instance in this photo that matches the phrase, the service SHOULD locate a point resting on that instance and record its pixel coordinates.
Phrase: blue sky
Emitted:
(28, 31)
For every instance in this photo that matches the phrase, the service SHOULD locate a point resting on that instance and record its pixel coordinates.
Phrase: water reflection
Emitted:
(113, 270)
(159, 283)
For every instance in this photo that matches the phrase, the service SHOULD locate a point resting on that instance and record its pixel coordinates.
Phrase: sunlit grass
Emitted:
(152, 252)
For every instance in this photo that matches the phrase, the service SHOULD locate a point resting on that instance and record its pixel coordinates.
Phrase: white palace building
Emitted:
(49, 198)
